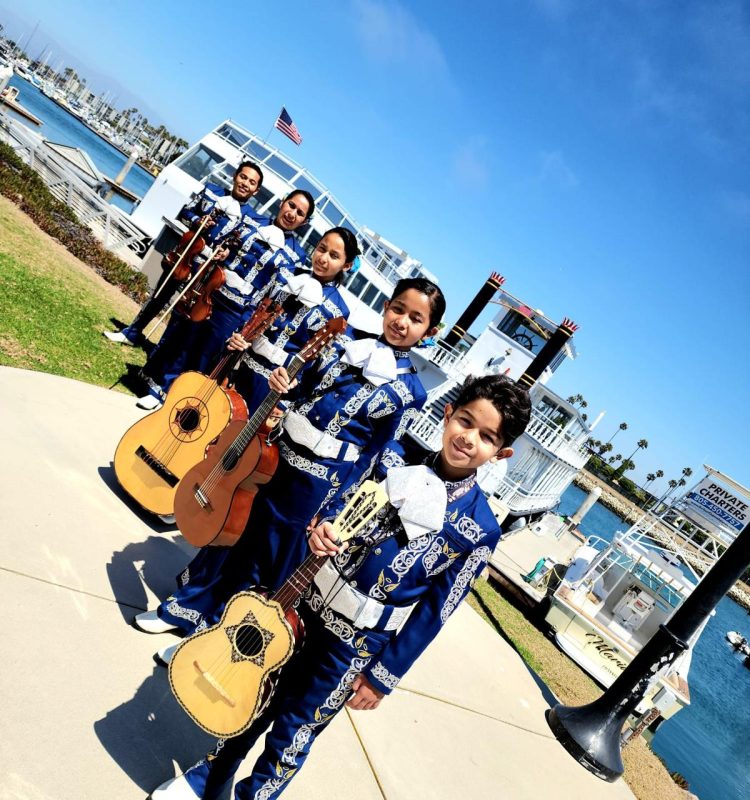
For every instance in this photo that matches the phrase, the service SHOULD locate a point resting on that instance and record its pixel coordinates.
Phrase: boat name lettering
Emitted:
(605, 651)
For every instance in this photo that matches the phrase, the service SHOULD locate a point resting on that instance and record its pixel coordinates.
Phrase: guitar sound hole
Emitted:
(248, 641)
(188, 419)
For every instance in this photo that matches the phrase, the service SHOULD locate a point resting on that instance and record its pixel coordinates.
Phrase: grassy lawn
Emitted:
(645, 774)
(53, 308)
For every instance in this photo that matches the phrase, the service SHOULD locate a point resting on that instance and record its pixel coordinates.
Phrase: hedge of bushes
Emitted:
(26, 189)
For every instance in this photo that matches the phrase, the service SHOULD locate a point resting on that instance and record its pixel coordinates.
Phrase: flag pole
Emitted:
(270, 130)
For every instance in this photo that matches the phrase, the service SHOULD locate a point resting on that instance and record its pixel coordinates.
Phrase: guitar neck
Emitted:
(253, 425)
(300, 579)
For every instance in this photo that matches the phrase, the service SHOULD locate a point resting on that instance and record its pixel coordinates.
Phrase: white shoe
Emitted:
(167, 519)
(148, 402)
(151, 622)
(164, 656)
(119, 337)
(175, 789)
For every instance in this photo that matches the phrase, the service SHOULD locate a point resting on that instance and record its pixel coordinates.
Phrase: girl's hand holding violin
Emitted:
(207, 221)
(236, 342)
(278, 381)
(222, 254)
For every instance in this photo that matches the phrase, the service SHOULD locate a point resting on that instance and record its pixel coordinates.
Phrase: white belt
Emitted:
(362, 611)
(302, 431)
(269, 351)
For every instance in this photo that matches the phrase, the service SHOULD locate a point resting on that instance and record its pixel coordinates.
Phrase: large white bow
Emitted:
(306, 288)
(229, 206)
(272, 235)
(420, 497)
(375, 359)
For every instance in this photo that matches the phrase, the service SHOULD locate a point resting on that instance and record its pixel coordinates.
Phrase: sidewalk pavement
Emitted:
(87, 714)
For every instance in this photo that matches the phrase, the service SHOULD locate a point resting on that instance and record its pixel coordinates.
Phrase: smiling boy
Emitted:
(375, 606)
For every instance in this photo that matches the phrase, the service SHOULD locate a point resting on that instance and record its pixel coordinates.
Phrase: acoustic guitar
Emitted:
(222, 676)
(158, 450)
(204, 497)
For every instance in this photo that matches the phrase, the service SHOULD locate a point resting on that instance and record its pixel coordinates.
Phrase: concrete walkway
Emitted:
(86, 714)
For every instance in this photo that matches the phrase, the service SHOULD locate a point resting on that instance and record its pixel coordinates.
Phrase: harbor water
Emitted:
(709, 741)
(62, 127)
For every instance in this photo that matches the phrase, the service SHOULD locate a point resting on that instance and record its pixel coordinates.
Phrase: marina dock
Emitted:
(91, 714)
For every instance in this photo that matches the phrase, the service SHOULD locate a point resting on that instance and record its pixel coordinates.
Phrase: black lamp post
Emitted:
(591, 733)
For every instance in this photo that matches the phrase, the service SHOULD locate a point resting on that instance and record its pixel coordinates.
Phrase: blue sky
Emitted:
(595, 154)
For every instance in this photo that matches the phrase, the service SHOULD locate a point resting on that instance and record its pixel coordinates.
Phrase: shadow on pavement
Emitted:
(146, 733)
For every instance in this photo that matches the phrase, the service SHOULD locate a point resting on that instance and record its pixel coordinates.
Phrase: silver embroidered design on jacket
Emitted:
(478, 557)
(384, 675)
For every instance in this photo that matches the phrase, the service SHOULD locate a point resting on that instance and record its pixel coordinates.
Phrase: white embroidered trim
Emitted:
(301, 463)
(305, 733)
(385, 676)
(469, 528)
(480, 556)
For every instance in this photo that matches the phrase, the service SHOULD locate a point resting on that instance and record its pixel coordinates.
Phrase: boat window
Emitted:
(231, 134)
(312, 241)
(523, 330)
(356, 284)
(334, 213)
(347, 223)
(199, 162)
(301, 182)
(256, 151)
(261, 197)
(372, 296)
(281, 167)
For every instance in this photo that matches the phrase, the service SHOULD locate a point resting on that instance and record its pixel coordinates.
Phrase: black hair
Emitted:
(251, 165)
(351, 246)
(351, 249)
(431, 290)
(307, 197)
(511, 401)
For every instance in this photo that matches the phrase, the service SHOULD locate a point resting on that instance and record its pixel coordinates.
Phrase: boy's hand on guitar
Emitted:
(365, 697)
(278, 381)
(236, 342)
(207, 221)
(324, 542)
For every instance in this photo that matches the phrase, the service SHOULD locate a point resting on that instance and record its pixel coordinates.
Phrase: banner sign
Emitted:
(716, 504)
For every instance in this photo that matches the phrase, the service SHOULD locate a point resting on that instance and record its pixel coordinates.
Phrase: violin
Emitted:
(191, 244)
(196, 302)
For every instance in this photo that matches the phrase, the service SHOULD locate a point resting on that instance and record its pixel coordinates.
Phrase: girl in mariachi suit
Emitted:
(375, 607)
(182, 343)
(344, 411)
(309, 301)
(233, 208)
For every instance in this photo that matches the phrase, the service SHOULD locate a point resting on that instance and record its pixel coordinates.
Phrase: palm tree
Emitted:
(612, 459)
(605, 448)
(642, 445)
(686, 473)
(650, 478)
(623, 427)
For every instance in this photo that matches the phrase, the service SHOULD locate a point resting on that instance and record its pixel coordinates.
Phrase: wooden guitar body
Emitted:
(157, 451)
(220, 675)
(212, 501)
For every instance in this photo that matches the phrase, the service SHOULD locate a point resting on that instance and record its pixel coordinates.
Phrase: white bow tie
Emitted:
(420, 497)
(229, 206)
(306, 289)
(272, 235)
(375, 359)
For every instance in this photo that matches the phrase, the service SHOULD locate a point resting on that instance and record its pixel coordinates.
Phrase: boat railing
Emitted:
(107, 222)
(520, 501)
(554, 440)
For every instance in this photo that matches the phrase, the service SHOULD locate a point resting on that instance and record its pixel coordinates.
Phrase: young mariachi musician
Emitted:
(184, 341)
(233, 207)
(345, 410)
(309, 301)
(408, 573)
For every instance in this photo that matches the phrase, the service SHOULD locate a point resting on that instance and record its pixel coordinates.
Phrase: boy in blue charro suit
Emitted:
(374, 607)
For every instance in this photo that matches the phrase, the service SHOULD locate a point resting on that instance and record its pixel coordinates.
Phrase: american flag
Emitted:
(287, 127)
